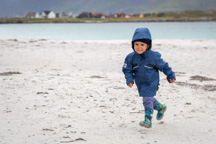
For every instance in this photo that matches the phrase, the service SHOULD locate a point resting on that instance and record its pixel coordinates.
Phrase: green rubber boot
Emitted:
(148, 117)
(161, 110)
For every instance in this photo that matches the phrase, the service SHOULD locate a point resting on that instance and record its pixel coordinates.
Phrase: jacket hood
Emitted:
(142, 33)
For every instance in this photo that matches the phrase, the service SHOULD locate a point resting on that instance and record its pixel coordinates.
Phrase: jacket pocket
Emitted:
(135, 68)
(149, 73)
(144, 74)
(150, 68)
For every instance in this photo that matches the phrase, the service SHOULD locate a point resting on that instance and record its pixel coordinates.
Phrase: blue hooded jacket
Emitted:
(144, 68)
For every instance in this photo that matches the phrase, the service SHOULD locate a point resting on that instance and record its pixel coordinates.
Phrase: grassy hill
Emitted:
(12, 8)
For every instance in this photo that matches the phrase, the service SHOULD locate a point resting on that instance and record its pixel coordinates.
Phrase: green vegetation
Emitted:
(209, 15)
(185, 14)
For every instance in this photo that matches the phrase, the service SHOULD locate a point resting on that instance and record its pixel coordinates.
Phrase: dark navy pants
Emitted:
(149, 102)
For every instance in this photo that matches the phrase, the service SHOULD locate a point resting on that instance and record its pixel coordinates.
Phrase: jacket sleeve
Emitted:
(164, 67)
(127, 69)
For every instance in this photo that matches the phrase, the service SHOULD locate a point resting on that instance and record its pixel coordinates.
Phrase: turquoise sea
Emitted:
(109, 31)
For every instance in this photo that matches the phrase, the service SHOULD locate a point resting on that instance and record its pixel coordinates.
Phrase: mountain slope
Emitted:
(12, 8)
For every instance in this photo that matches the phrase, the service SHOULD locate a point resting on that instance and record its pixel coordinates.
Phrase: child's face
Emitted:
(140, 47)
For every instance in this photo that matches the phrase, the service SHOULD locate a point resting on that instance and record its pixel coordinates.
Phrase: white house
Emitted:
(32, 15)
(65, 15)
(48, 14)
(70, 14)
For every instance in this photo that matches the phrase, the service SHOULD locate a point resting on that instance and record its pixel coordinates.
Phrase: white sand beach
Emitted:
(54, 92)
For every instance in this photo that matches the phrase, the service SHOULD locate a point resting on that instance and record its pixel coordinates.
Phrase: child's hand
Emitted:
(130, 85)
(172, 80)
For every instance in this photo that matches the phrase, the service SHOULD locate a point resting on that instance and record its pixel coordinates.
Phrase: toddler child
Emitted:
(142, 65)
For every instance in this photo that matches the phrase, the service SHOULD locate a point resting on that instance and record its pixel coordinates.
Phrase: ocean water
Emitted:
(109, 31)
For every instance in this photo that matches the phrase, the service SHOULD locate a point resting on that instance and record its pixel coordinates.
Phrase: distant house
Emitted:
(98, 15)
(65, 15)
(32, 15)
(117, 15)
(120, 15)
(91, 15)
(58, 15)
(70, 14)
(138, 15)
(48, 14)
(85, 15)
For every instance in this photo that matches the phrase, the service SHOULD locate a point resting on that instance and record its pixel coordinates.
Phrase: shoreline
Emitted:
(35, 21)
